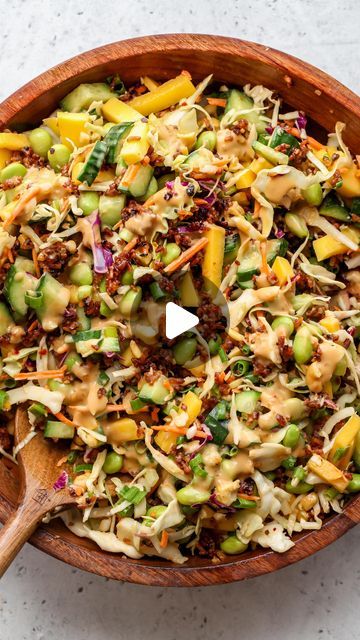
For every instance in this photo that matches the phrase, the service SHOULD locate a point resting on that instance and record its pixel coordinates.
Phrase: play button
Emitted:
(178, 320)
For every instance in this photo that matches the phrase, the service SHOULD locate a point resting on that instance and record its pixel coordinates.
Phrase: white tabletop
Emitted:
(318, 598)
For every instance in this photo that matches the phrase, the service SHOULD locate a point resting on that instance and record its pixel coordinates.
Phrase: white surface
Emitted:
(43, 599)
(178, 320)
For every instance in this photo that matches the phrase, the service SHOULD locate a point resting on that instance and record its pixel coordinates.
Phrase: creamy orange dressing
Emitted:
(321, 371)
(264, 345)
(230, 144)
(281, 189)
(273, 398)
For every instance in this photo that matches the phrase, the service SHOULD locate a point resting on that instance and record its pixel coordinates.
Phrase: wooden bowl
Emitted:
(235, 62)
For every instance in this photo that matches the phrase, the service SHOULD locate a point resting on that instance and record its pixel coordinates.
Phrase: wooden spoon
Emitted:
(38, 473)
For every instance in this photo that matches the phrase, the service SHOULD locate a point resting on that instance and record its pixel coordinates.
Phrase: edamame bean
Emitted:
(130, 302)
(172, 251)
(341, 367)
(84, 291)
(88, 201)
(296, 225)
(232, 546)
(58, 155)
(189, 495)
(40, 141)
(292, 436)
(156, 511)
(81, 274)
(113, 462)
(12, 170)
(110, 208)
(301, 487)
(127, 277)
(354, 484)
(206, 139)
(313, 195)
(184, 350)
(294, 408)
(283, 325)
(302, 346)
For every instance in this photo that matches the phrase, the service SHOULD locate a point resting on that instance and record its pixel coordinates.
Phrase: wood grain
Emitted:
(38, 471)
(232, 61)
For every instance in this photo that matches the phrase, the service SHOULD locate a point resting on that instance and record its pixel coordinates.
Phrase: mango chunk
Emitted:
(72, 128)
(245, 179)
(258, 164)
(213, 259)
(327, 246)
(193, 406)
(330, 324)
(13, 141)
(344, 440)
(164, 96)
(116, 110)
(166, 440)
(283, 270)
(121, 431)
(5, 156)
(188, 294)
(136, 144)
(53, 124)
(328, 472)
(350, 182)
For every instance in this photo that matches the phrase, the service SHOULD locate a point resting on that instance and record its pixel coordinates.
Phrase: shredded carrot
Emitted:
(41, 375)
(315, 144)
(172, 429)
(167, 385)
(129, 246)
(64, 419)
(200, 201)
(164, 539)
(114, 407)
(186, 256)
(28, 195)
(61, 461)
(10, 256)
(246, 497)
(264, 265)
(35, 261)
(221, 376)
(217, 102)
(130, 175)
(32, 326)
(294, 132)
(155, 414)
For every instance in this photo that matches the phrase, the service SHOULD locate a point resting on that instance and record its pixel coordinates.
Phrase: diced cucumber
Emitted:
(105, 311)
(155, 393)
(246, 401)
(93, 163)
(55, 300)
(18, 281)
(167, 177)
(130, 302)
(232, 244)
(59, 430)
(84, 321)
(246, 284)
(81, 274)
(114, 139)
(239, 101)
(332, 208)
(152, 188)
(280, 136)
(81, 98)
(140, 184)
(275, 157)
(6, 319)
(251, 260)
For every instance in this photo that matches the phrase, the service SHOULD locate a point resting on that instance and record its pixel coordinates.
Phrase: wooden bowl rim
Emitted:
(198, 572)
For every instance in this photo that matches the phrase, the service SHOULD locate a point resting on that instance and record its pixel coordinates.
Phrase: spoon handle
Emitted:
(17, 530)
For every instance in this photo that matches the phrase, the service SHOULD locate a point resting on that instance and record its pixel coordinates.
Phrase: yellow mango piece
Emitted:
(121, 431)
(72, 128)
(116, 110)
(213, 259)
(327, 246)
(105, 175)
(328, 472)
(193, 406)
(258, 164)
(53, 124)
(188, 294)
(5, 156)
(13, 141)
(166, 440)
(164, 96)
(149, 83)
(245, 179)
(351, 182)
(76, 170)
(6, 211)
(126, 357)
(283, 270)
(328, 389)
(197, 367)
(136, 144)
(345, 439)
(326, 152)
(330, 323)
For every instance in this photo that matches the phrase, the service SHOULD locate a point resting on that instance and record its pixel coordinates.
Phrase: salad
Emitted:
(243, 431)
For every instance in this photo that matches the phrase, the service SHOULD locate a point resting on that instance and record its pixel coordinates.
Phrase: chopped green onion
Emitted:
(196, 465)
(90, 334)
(240, 368)
(38, 409)
(222, 354)
(156, 291)
(4, 401)
(242, 503)
(132, 494)
(72, 457)
(83, 467)
(137, 404)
